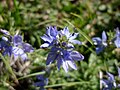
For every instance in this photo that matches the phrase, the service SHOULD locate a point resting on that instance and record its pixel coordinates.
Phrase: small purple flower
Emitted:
(50, 37)
(117, 38)
(61, 43)
(42, 82)
(14, 45)
(20, 48)
(109, 83)
(100, 42)
(64, 57)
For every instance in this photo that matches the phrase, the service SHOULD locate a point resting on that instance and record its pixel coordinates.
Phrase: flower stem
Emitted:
(67, 84)
(31, 75)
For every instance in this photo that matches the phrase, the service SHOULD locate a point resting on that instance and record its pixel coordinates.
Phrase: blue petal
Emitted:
(75, 42)
(65, 66)
(51, 57)
(117, 42)
(66, 32)
(119, 72)
(108, 85)
(118, 86)
(73, 36)
(27, 47)
(105, 82)
(18, 52)
(72, 64)
(66, 55)
(59, 61)
(76, 55)
(4, 32)
(23, 56)
(17, 40)
(117, 32)
(8, 51)
(40, 77)
(5, 38)
(52, 31)
(45, 45)
(97, 40)
(99, 49)
(111, 77)
(39, 84)
(104, 36)
(47, 38)
(69, 46)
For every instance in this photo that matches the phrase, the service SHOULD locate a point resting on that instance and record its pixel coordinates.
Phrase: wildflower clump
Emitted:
(14, 45)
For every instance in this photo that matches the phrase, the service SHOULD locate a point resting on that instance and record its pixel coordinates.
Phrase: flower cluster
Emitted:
(62, 45)
(14, 45)
(110, 83)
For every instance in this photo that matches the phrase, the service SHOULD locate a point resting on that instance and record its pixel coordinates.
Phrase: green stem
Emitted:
(31, 75)
(67, 84)
(9, 68)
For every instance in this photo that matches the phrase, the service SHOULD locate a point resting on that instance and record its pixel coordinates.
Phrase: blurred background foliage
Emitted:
(31, 17)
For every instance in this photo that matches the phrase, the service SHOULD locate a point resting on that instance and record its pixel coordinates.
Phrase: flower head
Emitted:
(20, 48)
(100, 42)
(110, 83)
(14, 45)
(61, 43)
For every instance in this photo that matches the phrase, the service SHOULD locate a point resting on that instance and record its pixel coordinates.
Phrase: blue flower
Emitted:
(100, 42)
(61, 43)
(20, 48)
(42, 82)
(14, 45)
(117, 38)
(50, 37)
(64, 57)
(110, 83)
